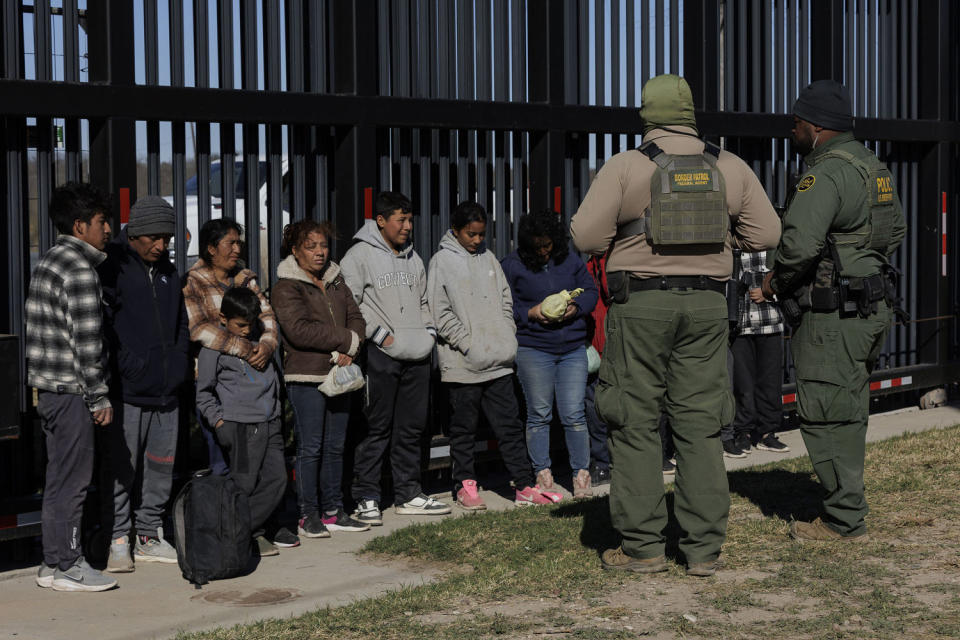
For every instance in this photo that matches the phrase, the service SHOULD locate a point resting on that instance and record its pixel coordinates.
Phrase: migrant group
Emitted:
(631, 346)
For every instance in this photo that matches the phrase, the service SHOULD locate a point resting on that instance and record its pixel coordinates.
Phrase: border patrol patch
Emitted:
(806, 184)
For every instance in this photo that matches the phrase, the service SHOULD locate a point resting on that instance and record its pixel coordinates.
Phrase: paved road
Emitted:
(155, 602)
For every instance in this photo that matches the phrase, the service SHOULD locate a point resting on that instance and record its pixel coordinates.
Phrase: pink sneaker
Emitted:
(531, 495)
(469, 498)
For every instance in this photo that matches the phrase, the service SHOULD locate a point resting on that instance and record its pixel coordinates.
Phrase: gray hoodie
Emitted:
(391, 290)
(473, 310)
(229, 388)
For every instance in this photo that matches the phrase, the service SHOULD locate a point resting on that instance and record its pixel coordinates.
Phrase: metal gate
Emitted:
(306, 108)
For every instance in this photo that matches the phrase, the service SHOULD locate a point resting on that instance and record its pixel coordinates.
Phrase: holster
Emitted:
(618, 286)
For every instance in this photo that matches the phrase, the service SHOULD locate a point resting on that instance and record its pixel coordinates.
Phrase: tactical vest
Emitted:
(882, 213)
(688, 200)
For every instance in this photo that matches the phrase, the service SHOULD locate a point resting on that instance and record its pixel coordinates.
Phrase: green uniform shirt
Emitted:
(830, 198)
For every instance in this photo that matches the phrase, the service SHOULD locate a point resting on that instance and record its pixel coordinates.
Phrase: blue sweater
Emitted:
(529, 288)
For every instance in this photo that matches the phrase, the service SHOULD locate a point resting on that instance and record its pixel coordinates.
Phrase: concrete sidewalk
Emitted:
(156, 602)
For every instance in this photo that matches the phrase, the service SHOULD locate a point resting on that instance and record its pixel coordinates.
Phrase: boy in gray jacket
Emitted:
(243, 406)
(388, 281)
(473, 309)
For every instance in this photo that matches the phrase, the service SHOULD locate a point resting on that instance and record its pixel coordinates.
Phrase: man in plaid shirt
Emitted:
(66, 363)
(757, 349)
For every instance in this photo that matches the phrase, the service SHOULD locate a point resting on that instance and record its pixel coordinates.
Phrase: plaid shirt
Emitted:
(65, 348)
(755, 319)
(203, 294)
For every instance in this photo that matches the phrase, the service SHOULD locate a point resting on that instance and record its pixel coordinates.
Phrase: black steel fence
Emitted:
(272, 111)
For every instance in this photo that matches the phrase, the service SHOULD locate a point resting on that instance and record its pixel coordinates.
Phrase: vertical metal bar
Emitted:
(599, 61)
(43, 70)
(675, 37)
(178, 139)
(583, 55)
(860, 108)
(151, 75)
(792, 23)
(400, 48)
(645, 70)
(71, 73)
(277, 196)
(427, 52)
(614, 70)
(501, 50)
(872, 54)
(445, 50)
(729, 45)
(780, 47)
(296, 134)
(249, 74)
(501, 227)
(661, 30)
(761, 31)
(228, 193)
(484, 49)
(631, 54)
(742, 45)
(201, 137)
(465, 50)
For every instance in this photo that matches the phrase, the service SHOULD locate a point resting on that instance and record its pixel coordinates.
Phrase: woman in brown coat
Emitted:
(317, 317)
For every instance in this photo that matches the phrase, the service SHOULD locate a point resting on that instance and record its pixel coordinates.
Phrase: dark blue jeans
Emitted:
(320, 424)
(599, 454)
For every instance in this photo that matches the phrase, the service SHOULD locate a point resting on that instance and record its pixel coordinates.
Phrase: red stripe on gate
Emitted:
(556, 199)
(368, 203)
(790, 398)
(124, 206)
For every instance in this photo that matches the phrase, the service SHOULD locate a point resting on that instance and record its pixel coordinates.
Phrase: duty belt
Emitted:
(677, 283)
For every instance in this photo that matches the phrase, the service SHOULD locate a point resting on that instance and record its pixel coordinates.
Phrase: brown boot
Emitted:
(702, 569)
(818, 531)
(617, 560)
(582, 485)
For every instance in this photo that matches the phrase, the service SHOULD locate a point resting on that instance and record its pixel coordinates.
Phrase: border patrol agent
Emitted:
(832, 276)
(672, 211)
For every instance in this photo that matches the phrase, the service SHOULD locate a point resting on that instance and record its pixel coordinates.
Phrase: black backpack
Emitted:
(211, 521)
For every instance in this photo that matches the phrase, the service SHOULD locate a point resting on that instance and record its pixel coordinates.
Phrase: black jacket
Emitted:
(145, 322)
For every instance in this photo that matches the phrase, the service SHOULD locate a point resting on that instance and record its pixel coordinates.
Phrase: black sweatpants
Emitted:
(498, 401)
(397, 396)
(254, 453)
(68, 426)
(757, 380)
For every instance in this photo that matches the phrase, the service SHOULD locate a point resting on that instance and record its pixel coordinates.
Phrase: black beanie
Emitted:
(825, 103)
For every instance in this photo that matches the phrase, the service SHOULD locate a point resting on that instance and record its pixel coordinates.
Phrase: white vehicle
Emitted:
(216, 204)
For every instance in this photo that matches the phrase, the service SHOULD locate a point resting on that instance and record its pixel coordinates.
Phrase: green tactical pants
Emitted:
(833, 357)
(667, 350)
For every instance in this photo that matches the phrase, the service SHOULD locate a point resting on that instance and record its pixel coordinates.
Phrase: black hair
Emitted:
(541, 224)
(241, 302)
(77, 201)
(465, 213)
(213, 232)
(389, 201)
(295, 234)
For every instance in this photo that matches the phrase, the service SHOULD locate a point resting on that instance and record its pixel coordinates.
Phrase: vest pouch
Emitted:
(687, 201)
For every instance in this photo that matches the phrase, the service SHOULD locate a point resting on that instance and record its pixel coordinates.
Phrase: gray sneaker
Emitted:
(120, 560)
(45, 575)
(154, 550)
(423, 505)
(81, 577)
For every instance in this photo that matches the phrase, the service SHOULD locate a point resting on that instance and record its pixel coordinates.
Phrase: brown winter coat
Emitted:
(314, 322)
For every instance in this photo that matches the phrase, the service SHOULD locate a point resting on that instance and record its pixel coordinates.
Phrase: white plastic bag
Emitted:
(341, 379)
(593, 360)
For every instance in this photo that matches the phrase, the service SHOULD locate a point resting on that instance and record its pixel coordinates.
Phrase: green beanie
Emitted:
(666, 100)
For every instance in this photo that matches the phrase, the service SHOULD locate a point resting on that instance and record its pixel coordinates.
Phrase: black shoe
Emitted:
(731, 450)
(743, 442)
(284, 538)
(340, 521)
(312, 527)
(669, 468)
(599, 476)
(770, 442)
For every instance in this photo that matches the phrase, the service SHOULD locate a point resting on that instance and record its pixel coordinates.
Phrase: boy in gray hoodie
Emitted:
(243, 406)
(389, 283)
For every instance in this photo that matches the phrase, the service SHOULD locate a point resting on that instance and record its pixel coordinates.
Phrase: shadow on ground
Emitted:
(789, 495)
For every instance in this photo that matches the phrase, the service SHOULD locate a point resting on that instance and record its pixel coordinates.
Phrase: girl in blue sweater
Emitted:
(551, 357)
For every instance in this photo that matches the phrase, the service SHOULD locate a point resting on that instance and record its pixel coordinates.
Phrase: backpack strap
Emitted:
(655, 153)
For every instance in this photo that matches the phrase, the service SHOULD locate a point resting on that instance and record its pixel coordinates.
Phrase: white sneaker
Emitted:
(422, 505)
(45, 575)
(368, 512)
(81, 577)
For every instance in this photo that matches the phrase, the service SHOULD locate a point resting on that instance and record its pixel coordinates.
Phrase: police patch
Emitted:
(806, 184)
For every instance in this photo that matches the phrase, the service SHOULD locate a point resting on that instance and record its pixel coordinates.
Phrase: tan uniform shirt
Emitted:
(620, 193)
